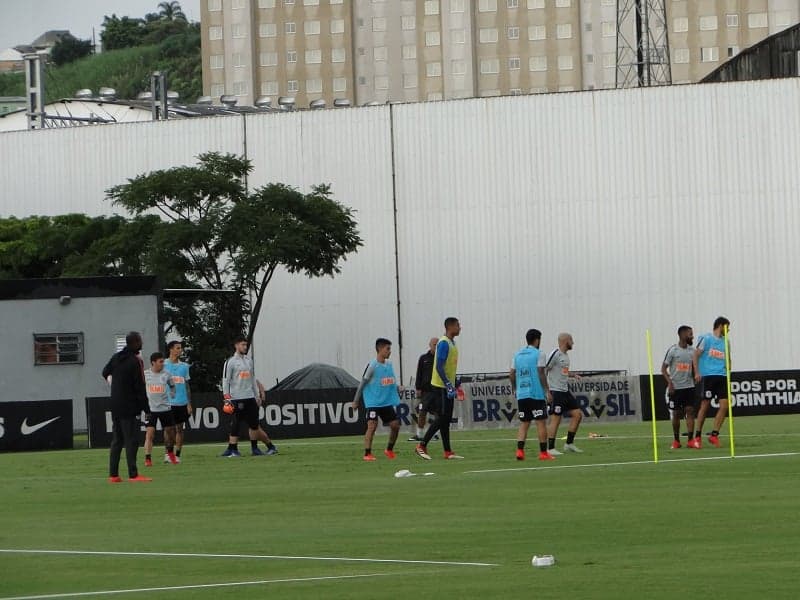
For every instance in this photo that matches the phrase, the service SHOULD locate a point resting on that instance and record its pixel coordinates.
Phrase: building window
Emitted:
(214, 5)
(433, 38)
(238, 31)
(590, 59)
(709, 54)
(680, 56)
(291, 56)
(340, 84)
(381, 82)
(457, 6)
(311, 27)
(435, 96)
(587, 27)
(458, 36)
(680, 24)
(337, 1)
(269, 88)
(488, 35)
(310, 2)
(607, 2)
(431, 7)
(537, 32)
(565, 63)
(408, 22)
(609, 28)
(266, 3)
(362, 80)
(288, 2)
(563, 31)
(732, 20)
(313, 86)
(757, 20)
(338, 55)
(535, 4)
(783, 18)
(380, 53)
(708, 23)
(733, 51)
(563, 3)
(290, 28)
(379, 24)
(239, 88)
(237, 4)
(215, 32)
(337, 25)
(514, 63)
(458, 67)
(512, 4)
(267, 30)
(313, 57)
(217, 90)
(409, 52)
(58, 348)
(513, 33)
(217, 61)
(490, 65)
(537, 63)
(268, 59)
(409, 81)
(237, 59)
(487, 5)
(433, 69)
(292, 86)
(609, 60)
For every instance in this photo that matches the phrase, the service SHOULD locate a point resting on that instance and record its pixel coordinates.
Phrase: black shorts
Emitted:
(181, 413)
(386, 413)
(563, 402)
(428, 402)
(682, 398)
(244, 410)
(532, 410)
(165, 417)
(715, 386)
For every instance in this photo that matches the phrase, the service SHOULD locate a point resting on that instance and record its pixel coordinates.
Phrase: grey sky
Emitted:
(21, 21)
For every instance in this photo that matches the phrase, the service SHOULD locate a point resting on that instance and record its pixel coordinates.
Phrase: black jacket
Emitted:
(424, 373)
(128, 395)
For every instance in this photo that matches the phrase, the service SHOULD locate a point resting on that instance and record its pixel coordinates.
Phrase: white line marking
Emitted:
(264, 556)
(193, 587)
(633, 462)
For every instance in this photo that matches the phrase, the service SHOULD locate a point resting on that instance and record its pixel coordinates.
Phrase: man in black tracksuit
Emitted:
(128, 400)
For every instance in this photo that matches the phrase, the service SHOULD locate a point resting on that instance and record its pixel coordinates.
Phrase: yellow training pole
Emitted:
(728, 377)
(652, 397)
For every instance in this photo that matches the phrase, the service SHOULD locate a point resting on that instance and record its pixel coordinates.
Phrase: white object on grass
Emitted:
(545, 560)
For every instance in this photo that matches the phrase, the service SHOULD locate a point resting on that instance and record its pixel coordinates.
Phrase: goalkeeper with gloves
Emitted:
(443, 380)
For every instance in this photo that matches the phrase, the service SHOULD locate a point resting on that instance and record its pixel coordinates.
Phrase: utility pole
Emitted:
(642, 44)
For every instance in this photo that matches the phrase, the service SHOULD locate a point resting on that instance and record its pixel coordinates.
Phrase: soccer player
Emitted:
(677, 372)
(181, 402)
(529, 384)
(443, 381)
(240, 391)
(378, 388)
(160, 389)
(426, 396)
(128, 399)
(710, 371)
(559, 397)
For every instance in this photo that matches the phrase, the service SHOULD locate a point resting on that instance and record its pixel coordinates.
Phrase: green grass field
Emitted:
(724, 528)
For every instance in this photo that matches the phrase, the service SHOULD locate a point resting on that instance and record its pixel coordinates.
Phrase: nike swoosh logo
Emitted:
(26, 429)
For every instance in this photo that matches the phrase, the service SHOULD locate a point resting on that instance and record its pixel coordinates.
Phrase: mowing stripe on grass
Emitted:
(195, 586)
(633, 462)
(262, 556)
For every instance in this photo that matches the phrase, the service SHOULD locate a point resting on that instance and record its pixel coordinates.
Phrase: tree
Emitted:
(68, 49)
(235, 240)
(122, 32)
(171, 11)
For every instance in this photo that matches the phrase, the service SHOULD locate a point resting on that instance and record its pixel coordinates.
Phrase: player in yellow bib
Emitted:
(443, 381)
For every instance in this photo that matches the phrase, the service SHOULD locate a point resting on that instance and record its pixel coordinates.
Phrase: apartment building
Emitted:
(413, 50)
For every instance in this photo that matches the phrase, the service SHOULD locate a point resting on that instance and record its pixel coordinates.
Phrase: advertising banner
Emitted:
(753, 393)
(35, 425)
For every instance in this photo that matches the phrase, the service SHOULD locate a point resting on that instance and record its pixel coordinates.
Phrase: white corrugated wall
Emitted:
(601, 213)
